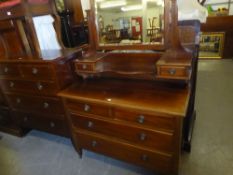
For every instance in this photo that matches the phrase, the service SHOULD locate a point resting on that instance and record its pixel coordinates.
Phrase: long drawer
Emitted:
(54, 124)
(46, 105)
(153, 139)
(149, 159)
(33, 87)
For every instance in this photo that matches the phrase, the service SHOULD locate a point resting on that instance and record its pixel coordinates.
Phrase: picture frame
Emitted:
(211, 45)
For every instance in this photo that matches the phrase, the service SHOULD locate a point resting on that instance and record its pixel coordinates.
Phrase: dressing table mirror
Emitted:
(129, 22)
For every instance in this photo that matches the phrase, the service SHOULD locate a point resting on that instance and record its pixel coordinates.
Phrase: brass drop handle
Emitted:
(141, 119)
(52, 125)
(25, 119)
(12, 84)
(87, 108)
(172, 71)
(94, 143)
(18, 100)
(34, 71)
(46, 105)
(144, 157)
(142, 136)
(39, 86)
(90, 124)
(6, 69)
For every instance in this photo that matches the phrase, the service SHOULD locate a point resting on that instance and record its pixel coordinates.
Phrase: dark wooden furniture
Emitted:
(30, 78)
(221, 24)
(136, 106)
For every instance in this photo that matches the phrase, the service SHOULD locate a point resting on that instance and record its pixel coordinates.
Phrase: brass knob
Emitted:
(84, 66)
(90, 124)
(6, 69)
(34, 71)
(12, 84)
(141, 119)
(144, 157)
(52, 125)
(39, 86)
(142, 136)
(172, 71)
(87, 108)
(18, 100)
(93, 143)
(25, 119)
(46, 105)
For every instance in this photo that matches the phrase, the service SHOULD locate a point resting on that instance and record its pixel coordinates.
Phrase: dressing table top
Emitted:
(153, 97)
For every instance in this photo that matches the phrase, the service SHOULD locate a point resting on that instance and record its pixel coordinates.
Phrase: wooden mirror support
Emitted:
(176, 61)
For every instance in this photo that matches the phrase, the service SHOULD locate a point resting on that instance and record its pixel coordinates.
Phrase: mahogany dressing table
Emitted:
(134, 100)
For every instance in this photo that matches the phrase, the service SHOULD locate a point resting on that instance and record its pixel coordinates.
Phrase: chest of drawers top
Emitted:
(150, 97)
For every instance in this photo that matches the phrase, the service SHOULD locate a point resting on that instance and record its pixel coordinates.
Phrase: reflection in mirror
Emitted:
(130, 21)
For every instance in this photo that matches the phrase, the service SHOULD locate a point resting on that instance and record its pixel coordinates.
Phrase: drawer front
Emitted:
(167, 123)
(33, 87)
(43, 105)
(16, 11)
(84, 67)
(174, 71)
(88, 108)
(38, 72)
(152, 139)
(9, 70)
(125, 152)
(42, 122)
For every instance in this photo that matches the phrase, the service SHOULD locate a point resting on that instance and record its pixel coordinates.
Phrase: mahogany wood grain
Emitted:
(153, 97)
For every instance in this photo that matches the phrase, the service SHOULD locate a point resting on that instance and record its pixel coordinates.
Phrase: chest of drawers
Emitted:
(141, 126)
(30, 88)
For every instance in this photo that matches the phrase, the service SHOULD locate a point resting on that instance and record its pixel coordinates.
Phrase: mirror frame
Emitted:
(159, 47)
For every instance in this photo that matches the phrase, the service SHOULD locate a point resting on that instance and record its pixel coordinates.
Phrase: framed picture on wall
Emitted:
(212, 45)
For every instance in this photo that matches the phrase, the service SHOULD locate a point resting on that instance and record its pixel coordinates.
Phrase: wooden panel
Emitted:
(29, 87)
(44, 105)
(145, 120)
(123, 151)
(137, 135)
(88, 108)
(5, 118)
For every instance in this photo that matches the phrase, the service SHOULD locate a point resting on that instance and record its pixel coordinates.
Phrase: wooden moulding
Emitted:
(136, 65)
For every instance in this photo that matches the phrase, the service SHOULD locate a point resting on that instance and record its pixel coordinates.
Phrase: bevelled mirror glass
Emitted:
(128, 22)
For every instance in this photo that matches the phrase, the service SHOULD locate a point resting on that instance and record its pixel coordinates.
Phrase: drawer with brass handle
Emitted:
(148, 138)
(9, 70)
(44, 105)
(38, 71)
(88, 108)
(139, 118)
(179, 72)
(33, 87)
(42, 122)
(127, 152)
